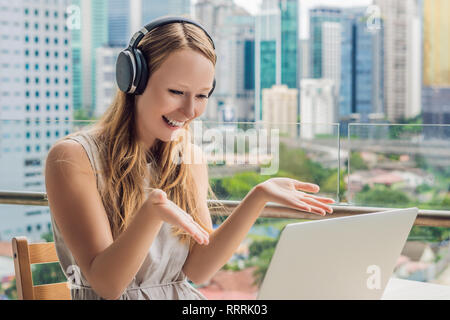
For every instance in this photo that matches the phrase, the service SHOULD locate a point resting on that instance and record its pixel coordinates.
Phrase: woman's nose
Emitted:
(189, 108)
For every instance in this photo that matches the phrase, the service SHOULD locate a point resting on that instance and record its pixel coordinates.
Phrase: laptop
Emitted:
(350, 257)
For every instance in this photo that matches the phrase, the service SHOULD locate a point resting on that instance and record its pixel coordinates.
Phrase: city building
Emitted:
(318, 111)
(402, 57)
(276, 47)
(232, 29)
(331, 52)
(94, 34)
(119, 28)
(436, 67)
(361, 79)
(105, 78)
(436, 44)
(317, 17)
(305, 60)
(89, 30)
(279, 106)
(35, 103)
(325, 46)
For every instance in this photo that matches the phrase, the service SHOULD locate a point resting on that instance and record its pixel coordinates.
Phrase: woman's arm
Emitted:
(109, 266)
(203, 262)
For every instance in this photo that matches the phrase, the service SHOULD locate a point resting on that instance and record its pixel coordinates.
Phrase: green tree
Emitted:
(431, 234)
(357, 162)
(83, 114)
(330, 184)
(262, 264)
(241, 183)
(257, 247)
(383, 196)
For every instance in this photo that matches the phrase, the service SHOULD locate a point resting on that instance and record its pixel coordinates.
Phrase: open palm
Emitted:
(289, 192)
(169, 212)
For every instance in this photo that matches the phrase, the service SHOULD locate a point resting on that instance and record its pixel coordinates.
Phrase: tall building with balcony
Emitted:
(402, 57)
(35, 102)
(436, 68)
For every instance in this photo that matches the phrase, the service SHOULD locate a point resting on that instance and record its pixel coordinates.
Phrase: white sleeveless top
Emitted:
(160, 276)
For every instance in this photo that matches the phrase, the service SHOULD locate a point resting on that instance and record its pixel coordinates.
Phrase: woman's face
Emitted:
(177, 91)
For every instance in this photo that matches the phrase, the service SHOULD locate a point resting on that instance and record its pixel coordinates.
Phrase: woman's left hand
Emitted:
(289, 192)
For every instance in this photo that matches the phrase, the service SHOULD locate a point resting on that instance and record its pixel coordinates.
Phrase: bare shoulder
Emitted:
(68, 155)
(75, 202)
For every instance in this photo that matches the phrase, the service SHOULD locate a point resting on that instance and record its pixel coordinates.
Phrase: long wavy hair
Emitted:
(125, 161)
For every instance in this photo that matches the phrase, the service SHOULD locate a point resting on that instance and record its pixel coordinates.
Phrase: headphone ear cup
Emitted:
(124, 71)
(142, 74)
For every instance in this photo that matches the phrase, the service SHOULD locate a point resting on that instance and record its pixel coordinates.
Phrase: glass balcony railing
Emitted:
(241, 155)
(405, 165)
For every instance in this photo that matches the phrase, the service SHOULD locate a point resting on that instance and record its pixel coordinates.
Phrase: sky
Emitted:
(305, 5)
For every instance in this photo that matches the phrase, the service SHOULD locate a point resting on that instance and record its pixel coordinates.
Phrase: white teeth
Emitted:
(174, 123)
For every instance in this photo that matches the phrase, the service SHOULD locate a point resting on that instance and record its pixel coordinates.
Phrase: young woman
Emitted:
(130, 223)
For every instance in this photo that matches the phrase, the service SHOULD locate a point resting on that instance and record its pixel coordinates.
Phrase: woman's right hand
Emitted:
(169, 212)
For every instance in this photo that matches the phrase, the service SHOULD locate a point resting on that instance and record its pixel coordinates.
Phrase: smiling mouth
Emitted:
(174, 124)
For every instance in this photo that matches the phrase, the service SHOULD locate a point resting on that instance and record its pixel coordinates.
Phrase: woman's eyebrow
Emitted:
(184, 86)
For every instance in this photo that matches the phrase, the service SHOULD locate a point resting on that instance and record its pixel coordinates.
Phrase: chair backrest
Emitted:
(24, 256)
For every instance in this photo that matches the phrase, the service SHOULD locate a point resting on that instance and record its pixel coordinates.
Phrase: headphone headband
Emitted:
(137, 37)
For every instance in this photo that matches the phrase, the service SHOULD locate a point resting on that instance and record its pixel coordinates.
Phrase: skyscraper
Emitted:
(317, 17)
(436, 42)
(90, 34)
(76, 44)
(331, 52)
(276, 47)
(94, 35)
(361, 82)
(402, 58)
(289, 42)
(436, 68)
(232, 29)
(106, 86)
(119, 30)
(35, 103)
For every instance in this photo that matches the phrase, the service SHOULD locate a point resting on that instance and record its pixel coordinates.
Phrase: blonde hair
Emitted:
(124, 160)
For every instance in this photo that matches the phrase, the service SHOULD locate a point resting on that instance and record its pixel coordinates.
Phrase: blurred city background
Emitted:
(359, 91)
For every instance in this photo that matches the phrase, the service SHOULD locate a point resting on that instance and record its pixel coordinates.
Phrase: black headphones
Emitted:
(131, 65)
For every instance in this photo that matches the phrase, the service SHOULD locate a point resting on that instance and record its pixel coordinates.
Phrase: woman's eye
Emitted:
(201, 96)
(176, 91)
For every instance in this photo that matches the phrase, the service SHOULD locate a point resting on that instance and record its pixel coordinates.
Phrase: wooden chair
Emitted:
(24, 256)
